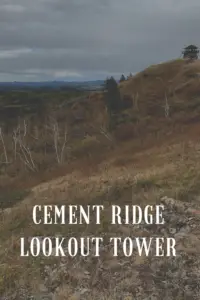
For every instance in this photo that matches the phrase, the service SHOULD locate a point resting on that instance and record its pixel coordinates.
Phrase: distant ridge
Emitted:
(85, 85)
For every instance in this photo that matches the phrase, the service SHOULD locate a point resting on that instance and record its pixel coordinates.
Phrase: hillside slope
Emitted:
(174, 84)
(160, 157)
(166, 102)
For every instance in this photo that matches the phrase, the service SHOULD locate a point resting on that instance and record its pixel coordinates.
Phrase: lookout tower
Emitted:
(191, 52)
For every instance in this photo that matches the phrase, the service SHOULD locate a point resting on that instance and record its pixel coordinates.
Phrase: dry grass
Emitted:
(138, 171)
(138, 130)
(111, 185)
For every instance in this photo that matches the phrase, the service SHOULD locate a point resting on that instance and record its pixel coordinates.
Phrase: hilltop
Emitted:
(149, 157)
(174, 84)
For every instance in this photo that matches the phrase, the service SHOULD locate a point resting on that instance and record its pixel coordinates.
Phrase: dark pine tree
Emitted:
(122, 78)
(113, 100)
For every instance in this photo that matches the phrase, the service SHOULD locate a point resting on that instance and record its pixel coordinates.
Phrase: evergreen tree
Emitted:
(113, 98)
(122, 78)
(130, 76)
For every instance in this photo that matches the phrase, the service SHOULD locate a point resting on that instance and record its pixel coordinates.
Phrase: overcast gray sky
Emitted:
(92, 39)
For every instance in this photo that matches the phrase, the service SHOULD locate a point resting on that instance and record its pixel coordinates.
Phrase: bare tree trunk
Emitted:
(24, 152)
(58, 145)
(4, 147)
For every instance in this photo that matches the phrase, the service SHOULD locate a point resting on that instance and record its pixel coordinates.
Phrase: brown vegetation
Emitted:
(71, 157)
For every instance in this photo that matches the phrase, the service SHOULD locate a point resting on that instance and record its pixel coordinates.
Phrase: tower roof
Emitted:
(191, 47)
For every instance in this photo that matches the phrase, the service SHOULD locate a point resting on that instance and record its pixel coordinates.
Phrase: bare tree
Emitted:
(20, 147)
(166, 106)
(59, 143)
(103, 131)
(102, 125)
(4, 147)
(106, 133)
(135, 101)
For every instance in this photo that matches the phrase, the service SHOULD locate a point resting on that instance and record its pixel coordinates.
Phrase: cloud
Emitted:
(13, 53)
(92, 38)
(13, 8)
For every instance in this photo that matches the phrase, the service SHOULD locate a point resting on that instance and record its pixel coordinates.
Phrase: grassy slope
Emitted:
(139, 171)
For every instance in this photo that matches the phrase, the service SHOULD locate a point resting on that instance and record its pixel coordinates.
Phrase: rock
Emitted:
(84, 291)
(75, 296)
(172, 230)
